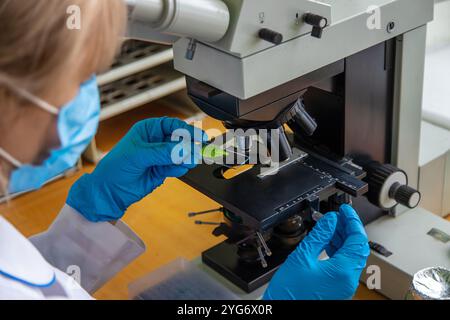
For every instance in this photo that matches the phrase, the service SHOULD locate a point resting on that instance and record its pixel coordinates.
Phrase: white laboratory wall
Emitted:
(434, 179)
(439, 29)
(434, 163)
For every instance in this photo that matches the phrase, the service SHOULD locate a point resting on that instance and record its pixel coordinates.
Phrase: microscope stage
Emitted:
(263, 202)
(259, 201)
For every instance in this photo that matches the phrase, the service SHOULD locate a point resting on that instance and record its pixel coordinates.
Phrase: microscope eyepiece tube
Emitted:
(150, 11)
(203, 20)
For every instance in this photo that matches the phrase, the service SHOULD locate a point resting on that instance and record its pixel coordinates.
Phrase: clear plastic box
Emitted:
(179, 280)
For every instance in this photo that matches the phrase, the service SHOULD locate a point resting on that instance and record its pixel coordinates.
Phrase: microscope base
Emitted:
(224, 259)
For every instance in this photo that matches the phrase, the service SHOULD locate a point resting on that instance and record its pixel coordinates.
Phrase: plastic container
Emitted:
(179, 280)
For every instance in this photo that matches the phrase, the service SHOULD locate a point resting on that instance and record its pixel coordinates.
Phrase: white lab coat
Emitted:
(93, 253)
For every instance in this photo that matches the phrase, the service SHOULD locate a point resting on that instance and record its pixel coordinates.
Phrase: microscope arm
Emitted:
(165, 21)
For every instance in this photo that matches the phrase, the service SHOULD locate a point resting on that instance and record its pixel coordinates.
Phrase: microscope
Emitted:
(336, 88)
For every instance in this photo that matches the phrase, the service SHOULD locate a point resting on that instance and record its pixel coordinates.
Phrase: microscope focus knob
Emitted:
(388, 186)
(405, 195)
(271, 36)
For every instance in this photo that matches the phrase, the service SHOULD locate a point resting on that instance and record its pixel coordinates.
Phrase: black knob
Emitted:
(388, 185)
(271, 36)
(317, 22)
(405, 195)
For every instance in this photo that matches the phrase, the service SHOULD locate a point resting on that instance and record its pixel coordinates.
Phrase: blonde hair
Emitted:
(37, 46)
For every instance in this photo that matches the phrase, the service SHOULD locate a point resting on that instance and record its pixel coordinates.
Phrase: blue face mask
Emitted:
(77, 126)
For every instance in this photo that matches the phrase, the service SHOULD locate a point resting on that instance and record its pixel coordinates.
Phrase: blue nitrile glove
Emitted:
(304, 277)
(139, 164)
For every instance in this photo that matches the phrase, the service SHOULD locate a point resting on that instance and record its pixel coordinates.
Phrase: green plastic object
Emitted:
(211, 152)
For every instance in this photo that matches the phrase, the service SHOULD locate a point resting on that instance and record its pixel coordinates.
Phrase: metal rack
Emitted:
(140, 88)
(143, 73)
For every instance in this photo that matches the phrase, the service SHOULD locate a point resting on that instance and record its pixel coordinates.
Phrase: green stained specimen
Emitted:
(211, 151)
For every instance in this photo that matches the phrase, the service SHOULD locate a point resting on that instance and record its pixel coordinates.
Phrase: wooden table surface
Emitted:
(160, 219)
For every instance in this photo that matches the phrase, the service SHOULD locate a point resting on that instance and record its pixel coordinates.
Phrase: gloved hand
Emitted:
(304, 277)
(139, 164)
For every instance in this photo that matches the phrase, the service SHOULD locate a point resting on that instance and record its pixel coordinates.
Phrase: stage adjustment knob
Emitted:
(405, 195)
(271, 36)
